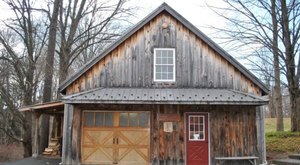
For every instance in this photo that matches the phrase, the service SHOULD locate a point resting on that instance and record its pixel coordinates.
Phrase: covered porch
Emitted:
(55, 110)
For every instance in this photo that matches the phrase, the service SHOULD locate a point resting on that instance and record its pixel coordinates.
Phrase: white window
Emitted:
(164, 64)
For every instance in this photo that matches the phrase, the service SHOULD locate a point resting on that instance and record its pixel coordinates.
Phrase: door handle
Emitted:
(115, 140)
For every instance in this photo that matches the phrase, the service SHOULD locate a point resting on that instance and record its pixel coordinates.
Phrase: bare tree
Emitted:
(47, 90)
(11, 121)
(99, 18)
(260, 24)
(83, 28)
(265, 71)
(22, 55)
(277, 89)
(290, 17)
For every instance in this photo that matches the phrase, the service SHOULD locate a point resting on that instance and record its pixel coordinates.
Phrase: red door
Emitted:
(197, 139)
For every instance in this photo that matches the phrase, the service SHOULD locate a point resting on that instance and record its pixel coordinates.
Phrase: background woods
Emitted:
(268, 32)
(39, 37)
(23, 41)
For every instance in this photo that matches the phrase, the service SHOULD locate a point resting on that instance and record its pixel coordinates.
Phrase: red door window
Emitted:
(197, 139)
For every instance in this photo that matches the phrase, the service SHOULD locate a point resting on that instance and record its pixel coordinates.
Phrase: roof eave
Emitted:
(255, 103)
(47, 105)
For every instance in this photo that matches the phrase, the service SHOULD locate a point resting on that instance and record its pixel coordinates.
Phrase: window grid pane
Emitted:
(144, 120)
(133, 120)
(89, 119)
(109, 119)
(123, 119)
(99, 119)
(196, 128)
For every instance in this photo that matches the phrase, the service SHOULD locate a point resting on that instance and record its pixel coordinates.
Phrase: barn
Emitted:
(163, 93)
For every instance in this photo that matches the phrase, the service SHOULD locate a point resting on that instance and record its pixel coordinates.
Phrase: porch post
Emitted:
(36, 137)
(67, 134)
(261, 143)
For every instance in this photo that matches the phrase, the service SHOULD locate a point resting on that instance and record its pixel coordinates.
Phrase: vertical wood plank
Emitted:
(148, 56)
(179, 55)
(76, 136)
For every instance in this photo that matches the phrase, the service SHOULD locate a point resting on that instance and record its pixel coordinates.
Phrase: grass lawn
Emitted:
(270, 124)
(281, 143)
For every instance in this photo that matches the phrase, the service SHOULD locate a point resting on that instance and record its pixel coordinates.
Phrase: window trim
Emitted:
(154, 65)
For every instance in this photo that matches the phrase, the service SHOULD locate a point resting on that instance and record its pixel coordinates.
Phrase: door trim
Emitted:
(185, 132)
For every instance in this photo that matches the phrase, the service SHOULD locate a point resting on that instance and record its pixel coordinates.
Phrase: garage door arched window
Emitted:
(164, 64)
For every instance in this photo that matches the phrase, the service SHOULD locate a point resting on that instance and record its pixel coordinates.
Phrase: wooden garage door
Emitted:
(116, 138)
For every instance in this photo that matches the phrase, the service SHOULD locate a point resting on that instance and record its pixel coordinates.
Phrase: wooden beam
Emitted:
(169, 117)
(48, 105)
(67, 134)
(261, 144)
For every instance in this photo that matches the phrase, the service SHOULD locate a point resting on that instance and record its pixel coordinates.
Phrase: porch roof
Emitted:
(165, 96)
(49, 107)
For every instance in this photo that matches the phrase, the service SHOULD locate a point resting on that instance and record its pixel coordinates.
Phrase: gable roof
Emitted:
(165, 8)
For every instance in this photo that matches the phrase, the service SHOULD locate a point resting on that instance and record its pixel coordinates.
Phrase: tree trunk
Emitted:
(28, 94)
(27, 138)
(278, 108)
(271, 104)
(43, 132)
(277, 90)
(295, 111)
(47, 91)
(293, 81)
(27, 125)
(63, 68)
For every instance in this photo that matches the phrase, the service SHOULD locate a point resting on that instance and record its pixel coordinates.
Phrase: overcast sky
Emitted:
(194, 11)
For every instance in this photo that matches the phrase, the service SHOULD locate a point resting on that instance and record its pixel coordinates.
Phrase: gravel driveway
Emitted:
(36, 161)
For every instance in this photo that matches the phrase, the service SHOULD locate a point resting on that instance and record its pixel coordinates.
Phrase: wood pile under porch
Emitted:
(55, 111)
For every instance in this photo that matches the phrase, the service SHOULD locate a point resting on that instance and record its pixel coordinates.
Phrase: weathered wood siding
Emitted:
(71, 152)
(131, 63)
(232, 131)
